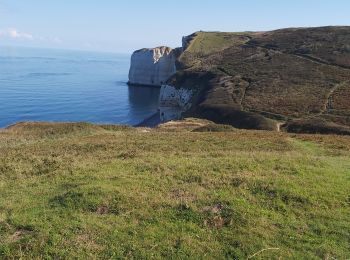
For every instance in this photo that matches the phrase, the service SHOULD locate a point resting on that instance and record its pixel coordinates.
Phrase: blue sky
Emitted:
(126, 25)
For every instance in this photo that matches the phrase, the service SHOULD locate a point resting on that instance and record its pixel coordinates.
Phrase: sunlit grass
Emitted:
(84, 191)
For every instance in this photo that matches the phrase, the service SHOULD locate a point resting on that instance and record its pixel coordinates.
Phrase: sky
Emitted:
(126, 25)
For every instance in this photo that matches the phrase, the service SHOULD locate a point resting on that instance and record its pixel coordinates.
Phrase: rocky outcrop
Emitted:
(173, 102)
(152, 66)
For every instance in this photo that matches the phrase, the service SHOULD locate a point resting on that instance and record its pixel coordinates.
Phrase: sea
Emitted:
(70, 86)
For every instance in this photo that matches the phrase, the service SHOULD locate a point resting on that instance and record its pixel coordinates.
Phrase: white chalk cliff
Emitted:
(152, 66)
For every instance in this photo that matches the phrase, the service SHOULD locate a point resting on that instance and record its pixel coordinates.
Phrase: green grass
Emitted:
(83, 191)
(206, 43)
(288, 74)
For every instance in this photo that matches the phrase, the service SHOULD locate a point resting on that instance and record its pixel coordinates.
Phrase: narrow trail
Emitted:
(249, 81)
(328, 104)
(319, 61)
(299, 55)
(279, 125)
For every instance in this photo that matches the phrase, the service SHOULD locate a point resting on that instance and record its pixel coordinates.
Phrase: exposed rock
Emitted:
(173, 102)
(152, 66)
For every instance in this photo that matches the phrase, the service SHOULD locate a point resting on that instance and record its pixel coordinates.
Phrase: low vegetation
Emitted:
(315, 126)
(86, 191)
(288, 74)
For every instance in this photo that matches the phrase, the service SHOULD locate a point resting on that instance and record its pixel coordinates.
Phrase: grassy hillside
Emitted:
(202, 44)
(285, 74)
(184, 190)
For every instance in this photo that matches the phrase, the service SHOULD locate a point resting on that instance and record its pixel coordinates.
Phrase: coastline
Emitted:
(142, 85)
(151, 121)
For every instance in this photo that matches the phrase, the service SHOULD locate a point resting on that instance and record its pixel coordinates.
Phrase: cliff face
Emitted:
(152, 66)
(255, 80)
(173, 102)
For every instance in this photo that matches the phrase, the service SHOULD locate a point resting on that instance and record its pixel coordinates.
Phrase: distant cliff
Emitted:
(152, 67)
(295, 79)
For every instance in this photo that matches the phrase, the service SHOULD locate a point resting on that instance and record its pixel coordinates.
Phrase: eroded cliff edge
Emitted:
(298, 78)
(152, 67)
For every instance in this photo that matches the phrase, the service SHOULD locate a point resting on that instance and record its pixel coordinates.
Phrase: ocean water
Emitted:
(66, 86)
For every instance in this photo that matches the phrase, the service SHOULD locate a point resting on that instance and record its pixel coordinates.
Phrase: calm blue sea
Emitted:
(57, 85)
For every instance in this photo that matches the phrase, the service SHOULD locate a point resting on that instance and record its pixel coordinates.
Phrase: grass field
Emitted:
(78, 191)
(205, 43)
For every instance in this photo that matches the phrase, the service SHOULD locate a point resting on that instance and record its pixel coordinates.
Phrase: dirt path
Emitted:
(302, 56)
(279, 126)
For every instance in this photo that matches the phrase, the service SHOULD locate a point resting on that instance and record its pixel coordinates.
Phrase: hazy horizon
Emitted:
(121, 27)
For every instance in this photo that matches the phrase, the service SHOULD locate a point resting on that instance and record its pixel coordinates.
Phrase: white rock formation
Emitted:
(173, 102)
(152, 66)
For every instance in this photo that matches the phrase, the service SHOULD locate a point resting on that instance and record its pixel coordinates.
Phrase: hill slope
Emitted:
(242, 78)
(86, 191)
